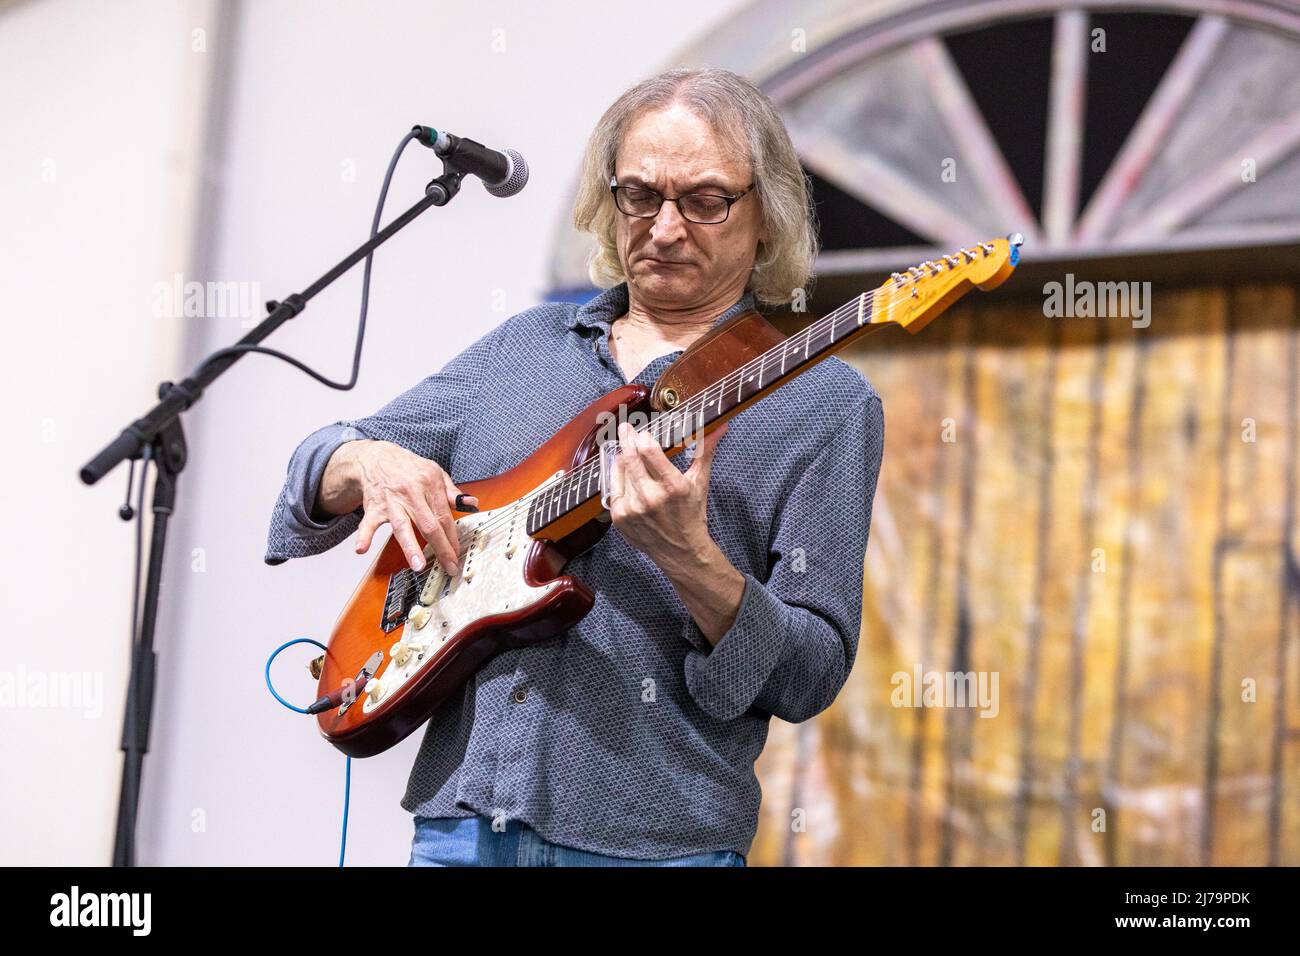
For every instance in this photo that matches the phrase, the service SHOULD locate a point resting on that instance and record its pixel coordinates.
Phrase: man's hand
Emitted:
(661, 511)
(399, 488)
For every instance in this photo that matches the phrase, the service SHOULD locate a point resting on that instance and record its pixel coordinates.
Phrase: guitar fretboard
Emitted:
(769, 371)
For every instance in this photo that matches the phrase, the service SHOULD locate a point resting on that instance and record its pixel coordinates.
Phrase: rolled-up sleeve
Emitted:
(789, 651)
(424, 419)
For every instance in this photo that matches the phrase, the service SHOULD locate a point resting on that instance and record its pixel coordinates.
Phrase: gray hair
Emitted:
(748, 123)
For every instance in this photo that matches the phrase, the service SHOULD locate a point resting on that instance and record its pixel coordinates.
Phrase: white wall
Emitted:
(99, 130)
(317, 91)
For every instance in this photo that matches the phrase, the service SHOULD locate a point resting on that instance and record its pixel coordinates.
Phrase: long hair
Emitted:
(747, 123)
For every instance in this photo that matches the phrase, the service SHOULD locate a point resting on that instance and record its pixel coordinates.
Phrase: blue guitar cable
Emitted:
(347, 775)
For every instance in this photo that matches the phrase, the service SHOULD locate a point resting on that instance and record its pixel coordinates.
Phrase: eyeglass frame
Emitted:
(614, 187)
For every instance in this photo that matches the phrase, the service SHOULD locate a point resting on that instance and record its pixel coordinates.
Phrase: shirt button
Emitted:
(520, 696)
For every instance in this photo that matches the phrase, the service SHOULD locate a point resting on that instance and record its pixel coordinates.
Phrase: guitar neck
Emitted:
(774, 368)
(909, 300)
(723, 399)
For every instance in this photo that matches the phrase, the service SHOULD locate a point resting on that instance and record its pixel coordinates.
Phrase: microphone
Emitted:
(503, 172)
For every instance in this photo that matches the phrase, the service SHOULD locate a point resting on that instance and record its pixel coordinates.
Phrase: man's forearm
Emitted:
(710, 587)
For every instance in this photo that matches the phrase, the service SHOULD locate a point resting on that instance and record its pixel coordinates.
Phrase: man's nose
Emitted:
(669, 225)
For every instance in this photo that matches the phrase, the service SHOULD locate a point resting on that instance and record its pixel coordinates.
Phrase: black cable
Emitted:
(365, 298)
(356, 366)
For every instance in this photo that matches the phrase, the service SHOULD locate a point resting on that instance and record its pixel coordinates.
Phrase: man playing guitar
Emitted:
(732, 590)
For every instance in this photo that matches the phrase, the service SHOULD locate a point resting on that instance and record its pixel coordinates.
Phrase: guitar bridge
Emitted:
(403, 586)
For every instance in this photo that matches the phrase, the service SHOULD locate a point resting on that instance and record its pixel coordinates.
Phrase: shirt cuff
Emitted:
(725, 679)
(307, 471)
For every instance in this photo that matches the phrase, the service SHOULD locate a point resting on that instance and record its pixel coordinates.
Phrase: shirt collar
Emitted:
(601, 311)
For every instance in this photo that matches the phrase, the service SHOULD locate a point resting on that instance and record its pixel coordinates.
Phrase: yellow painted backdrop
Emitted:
(1111, 530)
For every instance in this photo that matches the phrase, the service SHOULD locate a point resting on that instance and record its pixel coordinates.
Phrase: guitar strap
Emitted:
(712, 357)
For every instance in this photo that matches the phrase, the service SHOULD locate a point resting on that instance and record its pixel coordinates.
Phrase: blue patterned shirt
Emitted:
(629, 735)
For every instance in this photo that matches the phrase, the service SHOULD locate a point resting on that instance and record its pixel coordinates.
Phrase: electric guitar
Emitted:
(407, 641)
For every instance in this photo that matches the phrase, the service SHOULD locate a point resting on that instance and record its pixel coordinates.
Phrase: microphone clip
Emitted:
(443, 188)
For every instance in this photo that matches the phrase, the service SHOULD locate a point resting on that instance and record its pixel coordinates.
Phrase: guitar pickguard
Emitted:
(494, 547)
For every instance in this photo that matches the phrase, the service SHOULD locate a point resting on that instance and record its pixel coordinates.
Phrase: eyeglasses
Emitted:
(642, 203)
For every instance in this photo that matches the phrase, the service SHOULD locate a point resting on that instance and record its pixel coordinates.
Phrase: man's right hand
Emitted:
(397, 487)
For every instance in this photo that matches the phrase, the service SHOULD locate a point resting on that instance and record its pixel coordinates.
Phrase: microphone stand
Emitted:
(158, 437)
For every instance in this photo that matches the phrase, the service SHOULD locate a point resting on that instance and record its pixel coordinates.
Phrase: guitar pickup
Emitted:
(434, 587)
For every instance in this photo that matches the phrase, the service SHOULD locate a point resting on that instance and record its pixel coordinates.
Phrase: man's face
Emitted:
(669, 261)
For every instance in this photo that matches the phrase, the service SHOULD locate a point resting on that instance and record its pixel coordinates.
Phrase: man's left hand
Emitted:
(661, 511)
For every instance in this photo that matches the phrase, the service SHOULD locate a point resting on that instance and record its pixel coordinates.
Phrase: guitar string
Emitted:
(733, 381)
(826, 322)
(858, 305)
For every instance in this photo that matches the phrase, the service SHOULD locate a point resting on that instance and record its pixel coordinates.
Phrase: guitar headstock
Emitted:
(915, 297)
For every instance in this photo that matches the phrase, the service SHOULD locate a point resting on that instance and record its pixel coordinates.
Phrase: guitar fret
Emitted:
(671, 428)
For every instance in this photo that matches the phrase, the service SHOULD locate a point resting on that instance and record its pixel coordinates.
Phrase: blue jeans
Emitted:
(450, 841)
